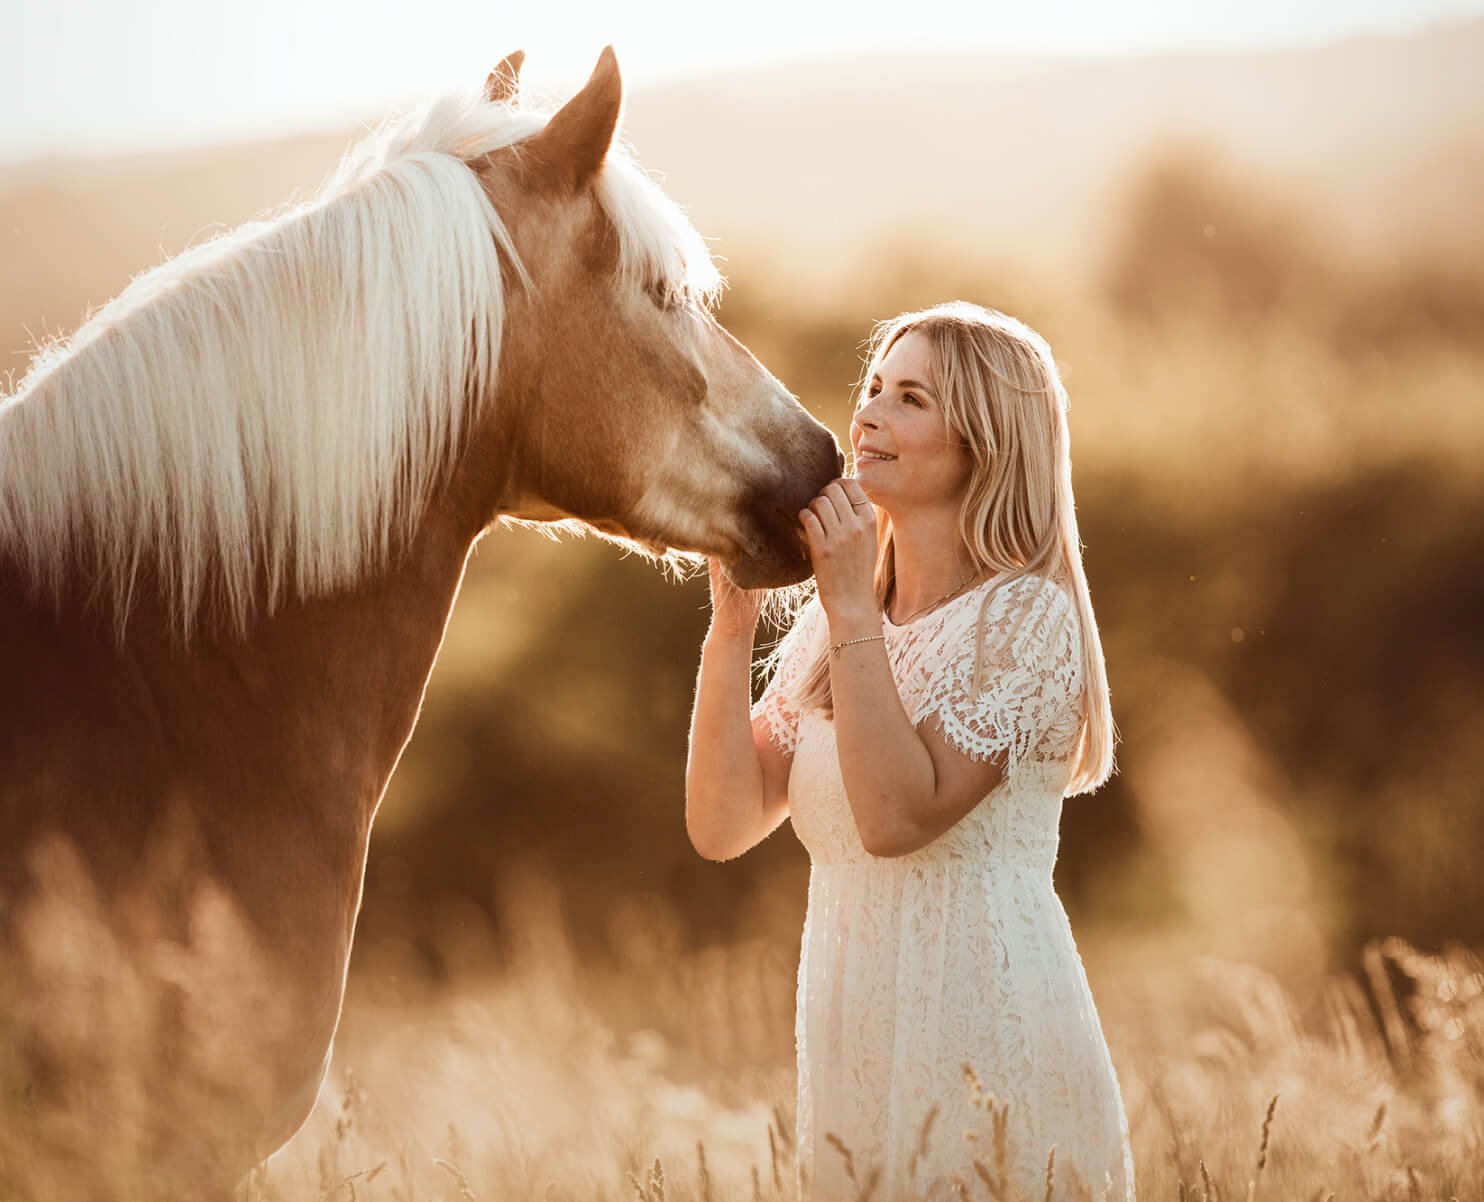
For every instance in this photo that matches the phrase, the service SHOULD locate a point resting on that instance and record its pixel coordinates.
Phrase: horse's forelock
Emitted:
(659, 250)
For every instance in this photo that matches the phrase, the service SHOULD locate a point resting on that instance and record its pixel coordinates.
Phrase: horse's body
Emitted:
(192, 750)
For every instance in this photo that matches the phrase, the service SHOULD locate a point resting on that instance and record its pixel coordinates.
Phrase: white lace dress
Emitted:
(957, 954)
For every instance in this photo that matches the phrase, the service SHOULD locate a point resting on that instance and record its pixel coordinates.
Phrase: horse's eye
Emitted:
(663, 298)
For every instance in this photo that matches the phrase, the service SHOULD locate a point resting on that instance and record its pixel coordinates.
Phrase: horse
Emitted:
(235, 511)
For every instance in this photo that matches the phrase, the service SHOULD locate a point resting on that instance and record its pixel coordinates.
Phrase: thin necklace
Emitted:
(932, 604)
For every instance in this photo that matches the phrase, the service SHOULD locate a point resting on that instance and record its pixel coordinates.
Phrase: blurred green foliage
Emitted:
(1276, 461)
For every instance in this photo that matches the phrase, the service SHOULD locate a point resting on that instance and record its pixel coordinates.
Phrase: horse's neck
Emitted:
(267, 754)
(347, 674)
(209, 809)
(350, 670)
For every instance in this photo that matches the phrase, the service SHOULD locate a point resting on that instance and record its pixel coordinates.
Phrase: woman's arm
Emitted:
(905, 787)
(736, 777)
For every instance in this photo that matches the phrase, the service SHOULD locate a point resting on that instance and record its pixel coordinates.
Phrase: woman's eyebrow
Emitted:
(904, 384)
(917, 384)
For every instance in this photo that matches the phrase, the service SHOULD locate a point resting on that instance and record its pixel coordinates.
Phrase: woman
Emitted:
(932, 704)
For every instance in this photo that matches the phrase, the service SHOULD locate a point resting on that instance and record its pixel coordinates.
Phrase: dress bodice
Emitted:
(1016, 825)
(998, 672)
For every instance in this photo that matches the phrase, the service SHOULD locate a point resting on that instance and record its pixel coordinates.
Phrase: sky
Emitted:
(98, 76)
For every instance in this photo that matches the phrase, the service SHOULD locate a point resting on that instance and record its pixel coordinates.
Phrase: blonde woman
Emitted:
(931, 705)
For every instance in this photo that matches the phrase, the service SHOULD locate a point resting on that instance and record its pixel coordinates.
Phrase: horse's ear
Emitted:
(504, 80)
(576, 140)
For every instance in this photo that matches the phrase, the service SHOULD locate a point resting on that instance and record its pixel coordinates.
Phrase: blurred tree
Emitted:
(1194, 241)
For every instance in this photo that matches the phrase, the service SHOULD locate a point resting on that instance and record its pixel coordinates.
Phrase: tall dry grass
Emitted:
(556, 1080)
(671, 1077)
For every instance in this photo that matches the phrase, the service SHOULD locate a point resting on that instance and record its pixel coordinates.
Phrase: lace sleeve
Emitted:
(1029, 707)
(778, 703)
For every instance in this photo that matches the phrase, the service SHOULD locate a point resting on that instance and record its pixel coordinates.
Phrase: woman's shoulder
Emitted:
(1022, 619)
(1036, 588)
(1029, 596)
(1038, 609)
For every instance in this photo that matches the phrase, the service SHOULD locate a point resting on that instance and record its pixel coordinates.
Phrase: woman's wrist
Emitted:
(731, 632)
(853, 621)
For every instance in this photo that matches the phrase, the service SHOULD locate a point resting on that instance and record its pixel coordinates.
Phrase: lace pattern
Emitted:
(908, 973)
(1029, 705)
(778, 703)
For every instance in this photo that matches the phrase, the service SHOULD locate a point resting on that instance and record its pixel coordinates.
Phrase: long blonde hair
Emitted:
(1002, 395)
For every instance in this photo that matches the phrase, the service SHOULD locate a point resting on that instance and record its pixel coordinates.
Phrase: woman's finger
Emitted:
(856, 495)
(839, 509)
(841, 499)
(824, 512)
(813, 530)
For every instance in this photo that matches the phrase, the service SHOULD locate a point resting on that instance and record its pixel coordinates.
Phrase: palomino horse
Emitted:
(234, 514)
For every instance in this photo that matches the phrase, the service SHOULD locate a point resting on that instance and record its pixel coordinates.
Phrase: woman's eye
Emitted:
(912, 399)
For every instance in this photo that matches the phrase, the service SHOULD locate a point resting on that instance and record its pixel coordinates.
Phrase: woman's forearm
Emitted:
(724, 803)
(887, 770)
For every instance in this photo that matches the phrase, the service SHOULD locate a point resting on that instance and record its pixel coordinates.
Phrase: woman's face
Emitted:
(905, 454)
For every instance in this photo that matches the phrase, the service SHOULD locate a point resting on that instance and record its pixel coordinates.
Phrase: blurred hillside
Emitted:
(1262, 276)
(802, 173)
(819, 165)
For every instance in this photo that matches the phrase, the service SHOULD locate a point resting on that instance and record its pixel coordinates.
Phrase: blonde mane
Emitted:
(275, 406)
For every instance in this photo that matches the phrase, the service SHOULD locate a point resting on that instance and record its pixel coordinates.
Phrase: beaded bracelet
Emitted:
(867, 638)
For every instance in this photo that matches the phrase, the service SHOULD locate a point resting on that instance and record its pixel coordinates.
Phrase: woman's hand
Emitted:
(734, 611)
(840, 529)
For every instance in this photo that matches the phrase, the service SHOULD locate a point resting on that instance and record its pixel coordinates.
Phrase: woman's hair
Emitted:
(1002, 395)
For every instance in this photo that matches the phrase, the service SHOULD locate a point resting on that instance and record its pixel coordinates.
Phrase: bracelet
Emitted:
(867, 638)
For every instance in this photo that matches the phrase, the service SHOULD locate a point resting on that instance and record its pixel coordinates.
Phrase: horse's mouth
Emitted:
(773, 556)
(768, 570)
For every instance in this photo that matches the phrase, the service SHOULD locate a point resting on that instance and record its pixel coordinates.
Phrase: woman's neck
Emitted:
(930, 562)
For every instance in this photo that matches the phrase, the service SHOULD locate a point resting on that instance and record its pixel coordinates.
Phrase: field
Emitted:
(1277, 438)
(678, 1082)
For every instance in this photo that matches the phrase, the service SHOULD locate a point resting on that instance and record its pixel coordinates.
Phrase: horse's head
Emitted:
(620, 400)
